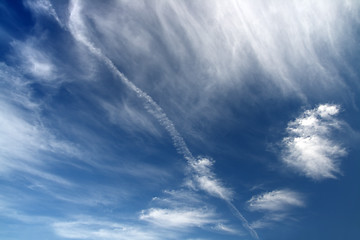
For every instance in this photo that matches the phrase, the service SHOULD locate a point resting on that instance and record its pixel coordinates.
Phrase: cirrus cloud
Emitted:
(277, 200)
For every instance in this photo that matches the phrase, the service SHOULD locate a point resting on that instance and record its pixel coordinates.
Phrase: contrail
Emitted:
(150, 105)
(245, 223)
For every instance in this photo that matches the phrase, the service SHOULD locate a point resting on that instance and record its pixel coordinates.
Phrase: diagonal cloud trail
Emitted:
(245, 223)
(78, 30)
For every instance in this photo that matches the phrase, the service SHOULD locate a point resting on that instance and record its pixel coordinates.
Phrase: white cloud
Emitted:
(179, 198)
(184, 209)
(26, 145)
(88, 228)
(203, 178)
(179, 218)
(309, 147)
(130, 118)
(43, 7)
(276, 206)
(226, 40)
(179, 210)
(228, 229)
(78, 29)
(270, 219)
(35, 62)
(8, 210)
(278, 200)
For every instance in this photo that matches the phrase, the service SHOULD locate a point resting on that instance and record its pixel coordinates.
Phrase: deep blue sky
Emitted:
(179, 120)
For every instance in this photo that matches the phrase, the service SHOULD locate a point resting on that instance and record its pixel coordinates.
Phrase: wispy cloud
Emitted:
(88, 228)
(79, 31)
(270, 219)
(26, 144)
(180, 210)
(277, 200)
(43, 7)
(179, 218)
(276, 206)
(205, 178)
(130, 118)
(228, 229)
(35, 62)
(219, 43)
(8, 210)
(179, 198)
(310, 148)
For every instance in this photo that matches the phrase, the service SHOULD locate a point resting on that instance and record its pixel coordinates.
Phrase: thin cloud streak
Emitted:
(178, 218)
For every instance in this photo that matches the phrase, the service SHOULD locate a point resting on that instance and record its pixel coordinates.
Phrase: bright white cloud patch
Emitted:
(183, 209)
(277, 200)
(178, 218)
(309, 147)
(205, 179)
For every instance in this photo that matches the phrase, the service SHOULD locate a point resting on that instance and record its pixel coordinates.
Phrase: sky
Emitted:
(191, 120)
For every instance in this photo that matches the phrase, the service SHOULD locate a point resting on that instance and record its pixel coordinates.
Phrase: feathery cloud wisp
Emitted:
(277, 200)
(25, 142)
(178, 218)
(276, 206)
(88, 228)
(206, 180)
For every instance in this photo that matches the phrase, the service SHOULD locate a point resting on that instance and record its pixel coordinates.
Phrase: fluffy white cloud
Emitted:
(309, 147)
(277, 200)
